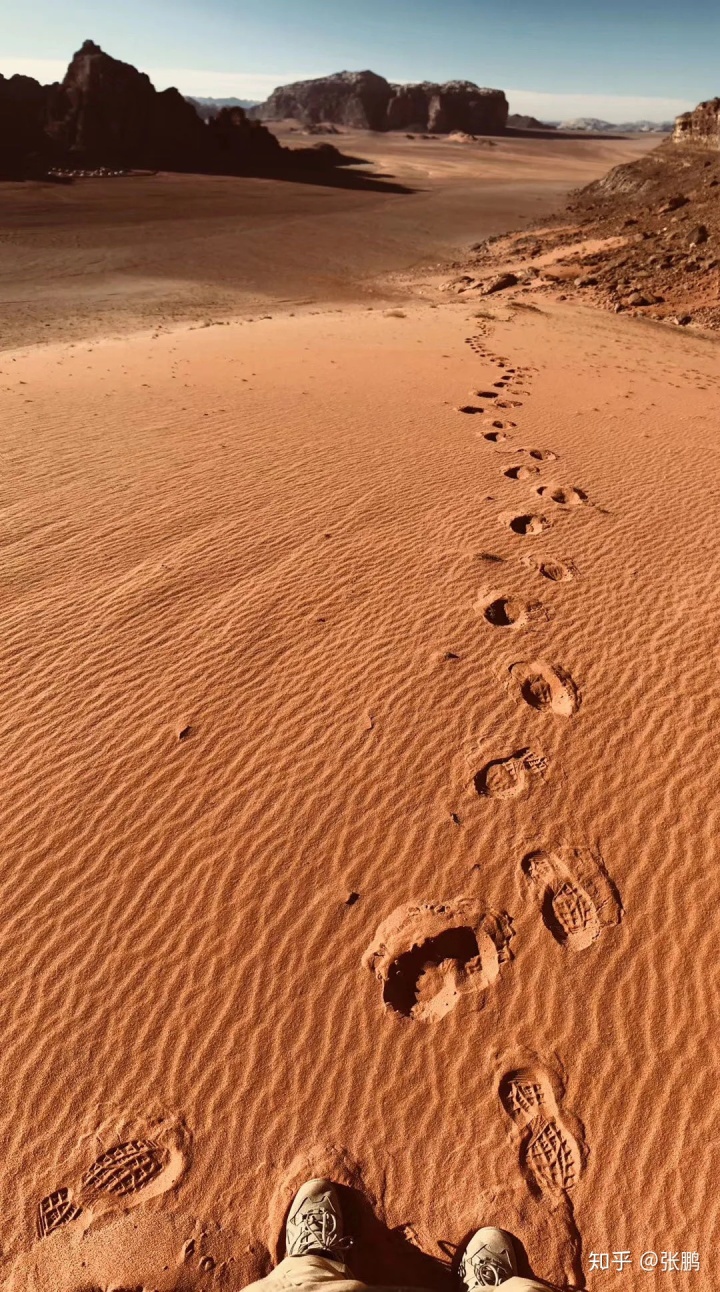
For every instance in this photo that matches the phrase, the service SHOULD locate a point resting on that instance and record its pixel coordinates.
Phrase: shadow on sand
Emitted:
(513, 132)
(389, 1258)
(327, 172)
(336, 175)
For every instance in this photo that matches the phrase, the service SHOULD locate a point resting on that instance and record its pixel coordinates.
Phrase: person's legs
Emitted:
(518, 1284)
(315, 1243)
(489, 1260)
(305, 1272)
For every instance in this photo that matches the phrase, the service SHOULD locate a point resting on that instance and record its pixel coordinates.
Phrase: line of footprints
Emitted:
(428, 957)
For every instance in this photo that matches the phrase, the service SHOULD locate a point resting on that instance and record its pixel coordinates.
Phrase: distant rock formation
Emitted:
(366, 101)
(105, 113)
(208, 107)
(701, 126)
(23, 117)
(517, 121)
(645, 127)
(594, 124)
(355, 99)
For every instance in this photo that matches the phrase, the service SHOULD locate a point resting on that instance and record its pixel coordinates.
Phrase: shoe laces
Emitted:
(487, 1271)
(317, 1228)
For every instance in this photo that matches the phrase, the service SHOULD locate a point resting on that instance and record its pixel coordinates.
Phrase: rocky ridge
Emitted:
(520, 121)
(208, 107)
(107, 114)
(366, 101)
(701, 126)
(643, 240)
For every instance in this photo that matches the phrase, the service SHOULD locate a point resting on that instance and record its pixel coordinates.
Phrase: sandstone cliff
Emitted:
(105, 113)
(701, 126)
(23, 118)
(364, 100)
(357, 99)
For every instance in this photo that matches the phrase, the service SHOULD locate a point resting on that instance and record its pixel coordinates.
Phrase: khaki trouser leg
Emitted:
(307, 1272)
(518, 1284)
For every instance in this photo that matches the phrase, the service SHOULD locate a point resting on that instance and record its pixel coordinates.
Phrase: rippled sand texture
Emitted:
(351, 821)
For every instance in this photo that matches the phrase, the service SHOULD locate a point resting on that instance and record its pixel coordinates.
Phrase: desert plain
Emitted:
(360, 701)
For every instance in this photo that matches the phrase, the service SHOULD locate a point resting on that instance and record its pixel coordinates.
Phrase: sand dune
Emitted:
(108, 256)
(293, 677)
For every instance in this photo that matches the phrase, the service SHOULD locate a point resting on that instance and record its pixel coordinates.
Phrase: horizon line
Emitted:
(259, 85)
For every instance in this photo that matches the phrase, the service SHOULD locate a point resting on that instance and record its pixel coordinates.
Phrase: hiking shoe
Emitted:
(488, 1260)
(315, 1224)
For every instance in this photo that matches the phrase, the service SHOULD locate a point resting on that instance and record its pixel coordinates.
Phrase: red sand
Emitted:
(276, 633)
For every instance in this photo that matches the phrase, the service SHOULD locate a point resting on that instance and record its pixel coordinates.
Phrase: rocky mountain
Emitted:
(516, 121)
(23, 117)
(701, 126)
(105, 113)
(207, 107)
(595, 125)
(587, 123)
(645, 127)
(366, 101)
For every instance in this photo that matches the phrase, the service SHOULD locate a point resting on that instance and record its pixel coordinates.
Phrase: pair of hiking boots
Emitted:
(315, 1228)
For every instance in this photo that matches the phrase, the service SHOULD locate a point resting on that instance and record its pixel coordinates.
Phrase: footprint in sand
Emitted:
(520, 472)
(495, 437)
(56, 1209)
(428, 957)
(504, 612)
(470, 408)
(575, 894)
(485, 394)
(546, 687)
(509, 403)
(550, 1154)
(556, 571)
(563, 495)
(509, 612)
(132, 1171)
(510, 778)
(499, 425)
(540, 455)
(527, 523)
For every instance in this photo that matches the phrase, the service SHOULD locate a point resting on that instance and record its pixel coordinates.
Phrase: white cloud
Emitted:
(608, 107)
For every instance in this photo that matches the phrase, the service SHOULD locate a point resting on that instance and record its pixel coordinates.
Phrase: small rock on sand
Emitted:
(500, 284)
(699, 235)
(674, 203)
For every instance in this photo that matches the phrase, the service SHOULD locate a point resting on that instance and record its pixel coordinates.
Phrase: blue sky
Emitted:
(618, 59)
